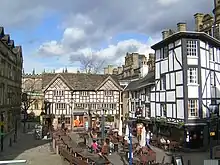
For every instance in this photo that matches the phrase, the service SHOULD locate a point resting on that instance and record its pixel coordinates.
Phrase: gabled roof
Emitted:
(78, 81)
(145, 81)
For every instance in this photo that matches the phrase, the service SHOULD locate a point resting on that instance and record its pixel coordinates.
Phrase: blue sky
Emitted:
(56, 34)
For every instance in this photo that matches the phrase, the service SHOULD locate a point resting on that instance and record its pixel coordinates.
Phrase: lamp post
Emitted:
(130, 145)
(103, 124)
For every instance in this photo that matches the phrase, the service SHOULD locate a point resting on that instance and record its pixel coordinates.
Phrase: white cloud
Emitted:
(168, 2)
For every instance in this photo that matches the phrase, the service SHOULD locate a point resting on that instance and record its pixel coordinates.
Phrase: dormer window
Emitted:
(84, 93)
(108, 93)
(58, 93)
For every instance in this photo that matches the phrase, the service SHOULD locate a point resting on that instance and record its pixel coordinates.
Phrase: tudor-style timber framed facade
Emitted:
(73, 94)
(187, 73)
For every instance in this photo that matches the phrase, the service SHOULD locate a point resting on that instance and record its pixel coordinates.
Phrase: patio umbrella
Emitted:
(120, 128)
(143, 137)
(127, 134)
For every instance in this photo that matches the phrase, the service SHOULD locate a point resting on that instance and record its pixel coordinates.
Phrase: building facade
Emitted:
(186, 76)
(10, 82)
(138, 92)
(32, 85)
(75, 94)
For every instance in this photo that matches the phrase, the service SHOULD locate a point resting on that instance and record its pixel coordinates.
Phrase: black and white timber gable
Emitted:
(71, 93)
(187, 76)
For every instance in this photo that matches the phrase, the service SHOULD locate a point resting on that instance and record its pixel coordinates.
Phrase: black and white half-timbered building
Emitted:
(138, 91)
(73, 94)
(187, 78)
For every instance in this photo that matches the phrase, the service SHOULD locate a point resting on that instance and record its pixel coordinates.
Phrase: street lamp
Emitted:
(103, 124)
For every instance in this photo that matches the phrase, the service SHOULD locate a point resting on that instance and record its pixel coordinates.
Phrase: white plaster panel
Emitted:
(157, 55)
(171, 46)
(180, 109)
(208, 84)
(157, 70)
(152, 108)
(170, 60)
(193, 91)
(178, 42)
(203, 57)
(177, 58)
(203, 85)
(172, 78)
(192, 60)
(174, 111)
(158, 85)
(164, 66)
(170, 96)
(179, 77)
(152, 96)
(169, 110)
(179, 91)
(207, 46)
(157, 96)
(158, 110)
(202, 44)
(212, 65)
(167, 81)
(207, 59)
(162, 96)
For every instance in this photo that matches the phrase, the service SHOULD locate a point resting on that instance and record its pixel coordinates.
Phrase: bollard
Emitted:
(10, 142)
(54, 144)
(57, 150)
(15, 138)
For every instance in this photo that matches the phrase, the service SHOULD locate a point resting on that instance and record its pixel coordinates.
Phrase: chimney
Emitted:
(165, 34)
(198, 21)
(181, 27)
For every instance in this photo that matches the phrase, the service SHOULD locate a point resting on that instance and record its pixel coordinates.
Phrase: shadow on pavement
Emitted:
(25, 142)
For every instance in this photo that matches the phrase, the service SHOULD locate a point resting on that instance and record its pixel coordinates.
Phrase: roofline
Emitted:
(186, 34)
(142, 86)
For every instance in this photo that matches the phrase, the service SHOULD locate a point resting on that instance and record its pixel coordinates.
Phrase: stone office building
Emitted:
(11, 61)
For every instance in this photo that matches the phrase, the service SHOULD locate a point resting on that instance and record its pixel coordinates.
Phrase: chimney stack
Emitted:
(181, 27)
(198, 21)
(165, 34)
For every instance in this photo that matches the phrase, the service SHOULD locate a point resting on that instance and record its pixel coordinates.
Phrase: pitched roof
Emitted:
(145, 81)
(78, 81)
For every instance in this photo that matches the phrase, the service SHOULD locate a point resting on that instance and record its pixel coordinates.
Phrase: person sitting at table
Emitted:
(162, 140)
(95, 146)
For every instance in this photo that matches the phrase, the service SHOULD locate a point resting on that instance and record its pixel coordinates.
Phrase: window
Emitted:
(192, 75)
(212, 78)
(60, 106)
(165, 52)
(36, 105)
(193, 108)
(58, 93)
(211, 54)
(163, 83)
(67, 120)
(163, 110)
(84, 93)
(108, 93)
(191, 47)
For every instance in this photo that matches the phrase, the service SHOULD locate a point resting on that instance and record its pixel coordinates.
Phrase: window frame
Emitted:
(193, 110)
(192, 48)
(163, 82)
(192, 73)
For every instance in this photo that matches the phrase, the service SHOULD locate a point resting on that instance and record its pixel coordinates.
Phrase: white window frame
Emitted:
(84, 93)
(191, 47)
(60, 106)
(58, 93)
(192, 76)
(193, 108)
(108, 93)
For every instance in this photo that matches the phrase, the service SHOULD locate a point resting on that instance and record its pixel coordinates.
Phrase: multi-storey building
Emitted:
(138, 91)
(74, 94)
(11, 61)
(32, 86)
(187, 69)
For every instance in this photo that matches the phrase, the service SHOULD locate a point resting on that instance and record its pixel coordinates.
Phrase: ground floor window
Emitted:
(193, 108)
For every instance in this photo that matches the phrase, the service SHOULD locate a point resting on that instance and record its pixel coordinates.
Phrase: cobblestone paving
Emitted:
(36, 152)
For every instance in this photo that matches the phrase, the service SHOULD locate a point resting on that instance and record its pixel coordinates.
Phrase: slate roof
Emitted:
(79, 81)
(145, 81)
